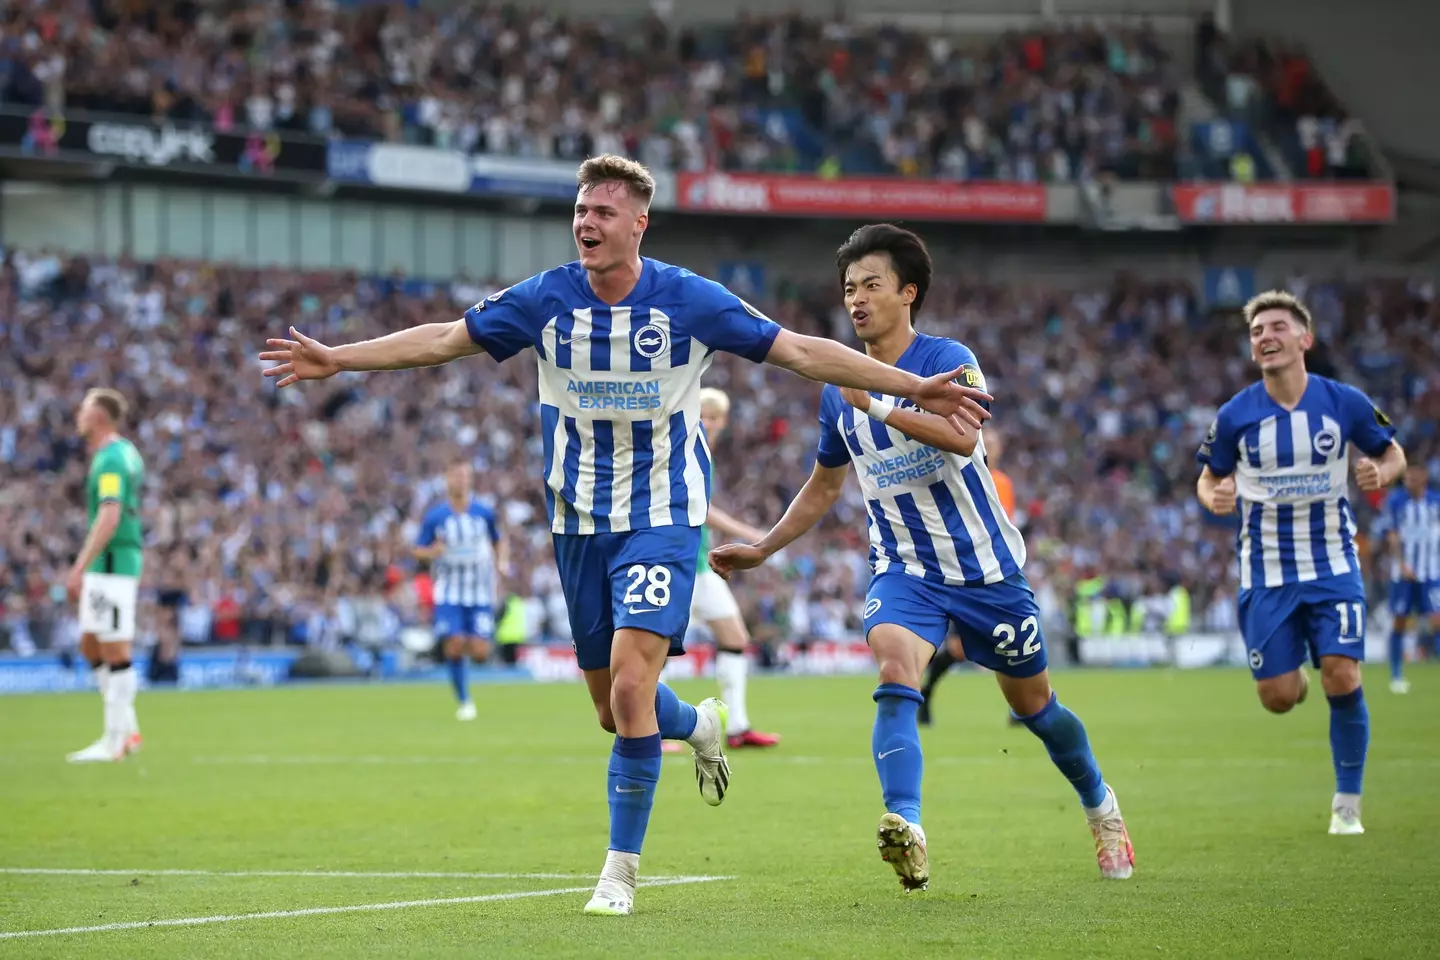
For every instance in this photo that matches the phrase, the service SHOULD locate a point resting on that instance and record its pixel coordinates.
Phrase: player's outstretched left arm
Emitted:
(937, 432)
(826, 361)
(1377, 473)
(107, 520)
(428, 345)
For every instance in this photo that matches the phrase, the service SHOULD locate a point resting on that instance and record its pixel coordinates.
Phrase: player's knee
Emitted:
(899, 670)
(1339, 675)
(630, 696)
(1278, 696)
(606, 716)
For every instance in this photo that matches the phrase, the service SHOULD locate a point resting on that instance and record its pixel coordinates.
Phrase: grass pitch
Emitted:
(362, 821)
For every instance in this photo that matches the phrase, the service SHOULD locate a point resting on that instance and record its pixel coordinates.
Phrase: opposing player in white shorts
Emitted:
(105, 578)
(714, 605)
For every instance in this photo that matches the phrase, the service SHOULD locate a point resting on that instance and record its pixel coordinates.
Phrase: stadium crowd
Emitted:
(773, 93)
(288, 516)
(1273, 86)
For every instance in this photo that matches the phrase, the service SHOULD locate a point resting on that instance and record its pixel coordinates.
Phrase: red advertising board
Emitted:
(788, 195)
(1284, 203)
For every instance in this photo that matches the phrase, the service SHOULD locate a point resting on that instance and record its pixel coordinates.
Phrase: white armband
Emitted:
(881, 409)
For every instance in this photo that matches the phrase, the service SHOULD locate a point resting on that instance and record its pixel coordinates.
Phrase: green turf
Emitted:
(1227, 806)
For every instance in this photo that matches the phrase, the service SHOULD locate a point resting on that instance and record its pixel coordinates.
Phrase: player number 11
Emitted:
(1345, 619)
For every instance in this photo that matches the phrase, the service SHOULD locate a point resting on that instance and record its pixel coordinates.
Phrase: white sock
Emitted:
(120, 704)
(1107, 807)
(730, 671)
(622, 868)
(1346, 801)
(102, 678)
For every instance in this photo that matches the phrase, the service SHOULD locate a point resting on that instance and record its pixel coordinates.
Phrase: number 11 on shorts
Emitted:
(1351, 621)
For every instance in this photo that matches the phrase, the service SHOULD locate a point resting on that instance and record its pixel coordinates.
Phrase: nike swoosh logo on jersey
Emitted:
(566, 341)
(882, 756)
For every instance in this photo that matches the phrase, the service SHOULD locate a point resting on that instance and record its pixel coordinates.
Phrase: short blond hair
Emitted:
(610, 168)
(1277, 300)
(112, 401)
(713, 399)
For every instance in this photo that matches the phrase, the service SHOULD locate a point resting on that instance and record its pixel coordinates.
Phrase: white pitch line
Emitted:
(358, 874)
(321, 911)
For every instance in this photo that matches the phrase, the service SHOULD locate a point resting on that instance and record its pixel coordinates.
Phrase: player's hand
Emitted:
(1367, 475)
(858, 399)
(300, 359)
(736, 556)
(1222, 497)
(73, 581)
(941, 395)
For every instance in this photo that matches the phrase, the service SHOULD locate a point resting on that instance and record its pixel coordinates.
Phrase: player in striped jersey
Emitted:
(942, 550)
(1279, 451)
(621, 343)
(1411, 523)
(461, 539)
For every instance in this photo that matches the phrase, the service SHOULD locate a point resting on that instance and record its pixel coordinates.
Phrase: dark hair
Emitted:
(907, 253)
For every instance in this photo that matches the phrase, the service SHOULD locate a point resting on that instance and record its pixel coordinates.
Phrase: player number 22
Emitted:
(655, 581)
(1349, 622)
(1030, 635)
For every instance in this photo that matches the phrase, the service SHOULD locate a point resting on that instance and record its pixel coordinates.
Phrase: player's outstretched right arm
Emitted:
(812, 502)
(428, 345)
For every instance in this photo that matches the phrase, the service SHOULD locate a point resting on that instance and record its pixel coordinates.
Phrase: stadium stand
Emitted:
(773, 93)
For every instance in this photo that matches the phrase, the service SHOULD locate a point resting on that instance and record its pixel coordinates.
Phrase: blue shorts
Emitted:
(456, 620)
(1414, 598)
(1283, 625)
(642, 579)
(998, 623)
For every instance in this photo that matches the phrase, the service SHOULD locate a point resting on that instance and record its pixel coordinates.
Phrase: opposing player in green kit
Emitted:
(106, 576)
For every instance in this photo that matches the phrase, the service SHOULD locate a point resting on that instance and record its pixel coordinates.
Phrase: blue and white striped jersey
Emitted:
(465, 573)
(932, 514)
(1292, 473)
(620, 388)
(1417, 522)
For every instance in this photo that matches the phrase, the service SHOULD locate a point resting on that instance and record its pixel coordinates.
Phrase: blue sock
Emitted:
(458, 678)
(1397, 653)
(895, 743)
(1064, 737)
(1349, 738)
(634, 774)
(675, 716)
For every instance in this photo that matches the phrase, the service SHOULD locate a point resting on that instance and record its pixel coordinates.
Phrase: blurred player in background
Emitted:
(953, 651)
(622, 342)
(1279, 450)
(942, 550)
(1411, 523)
(461, 540)
(714, 605)
(106, 576)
